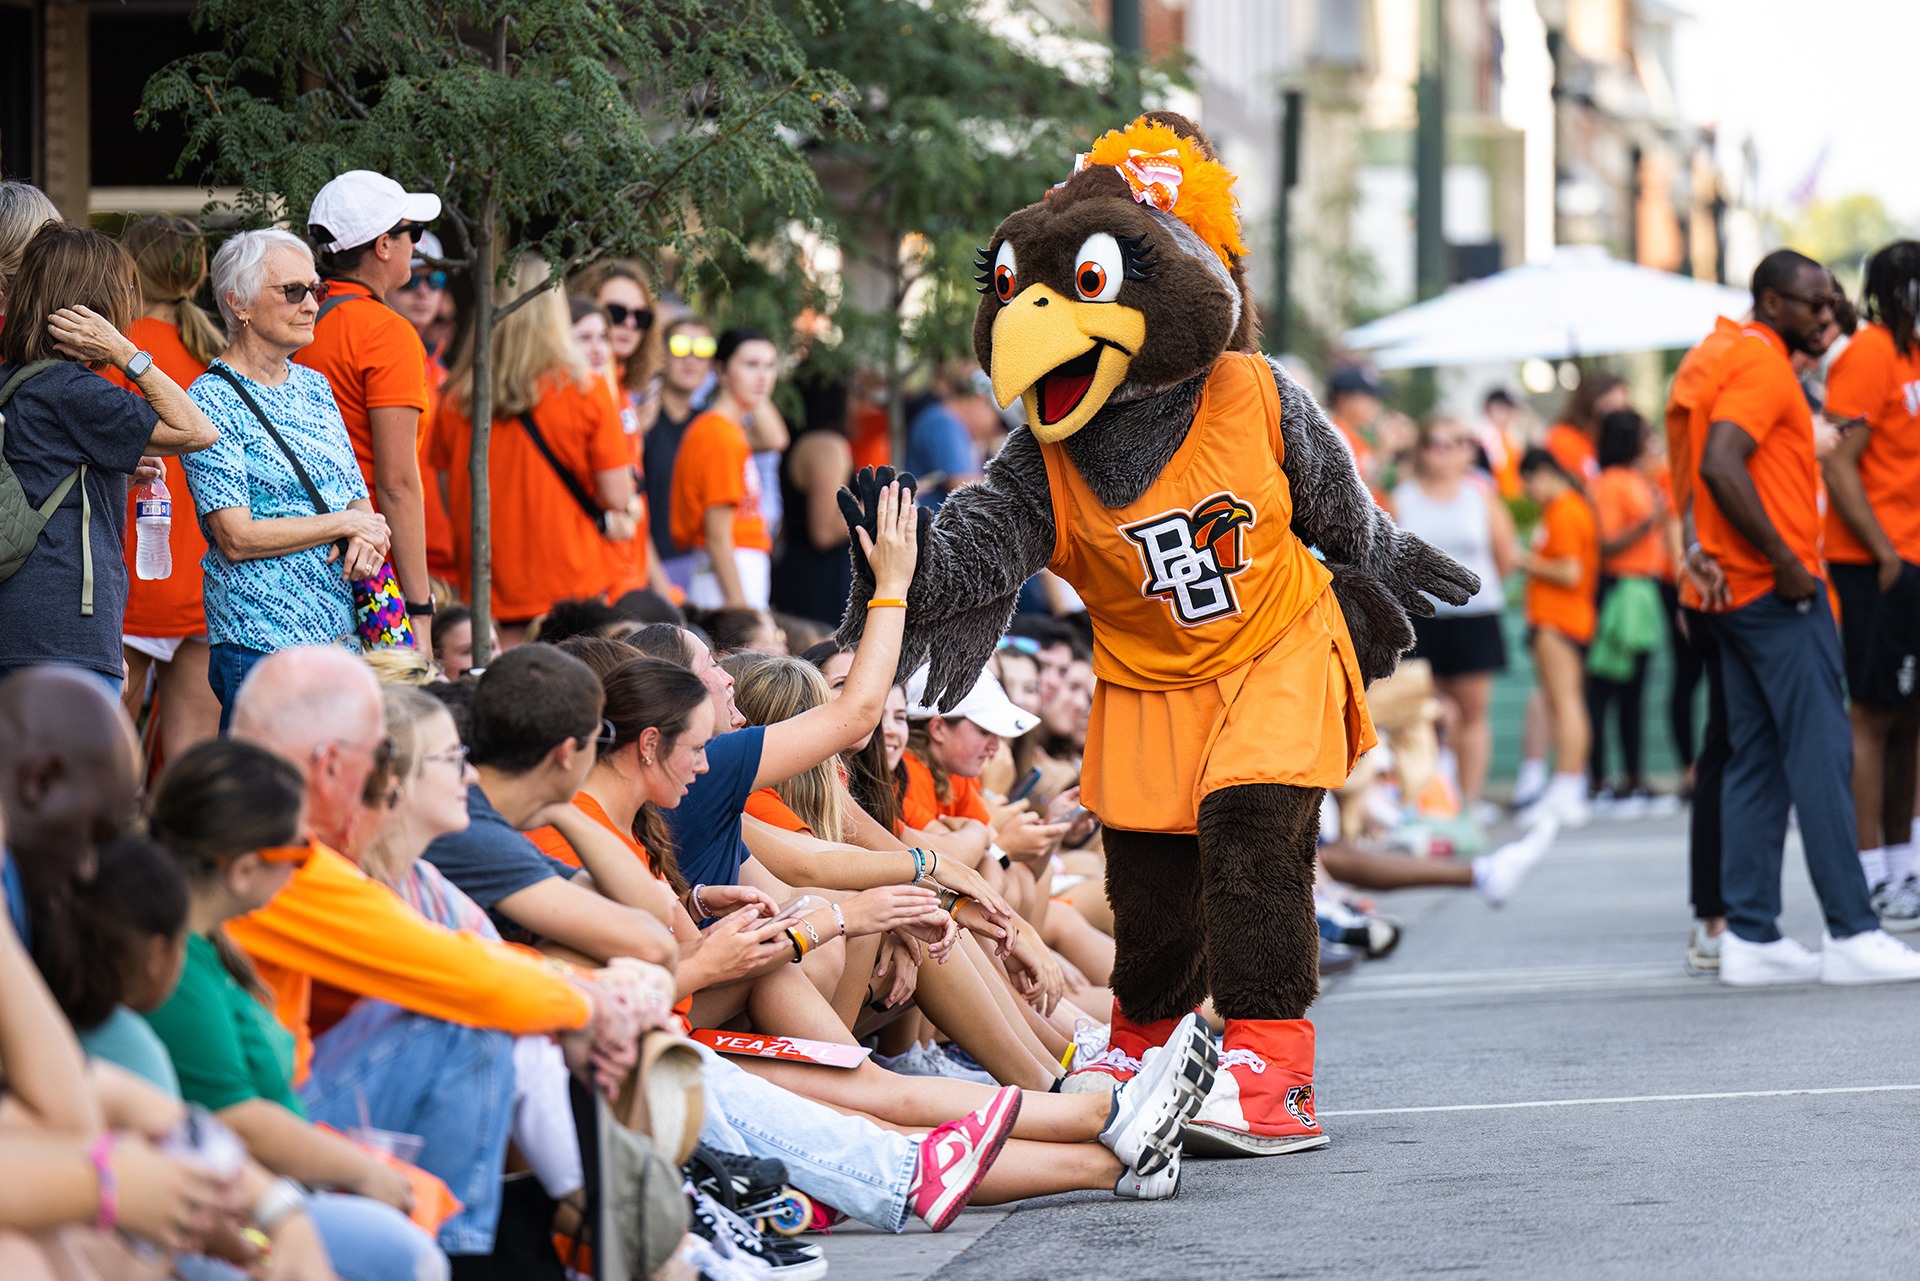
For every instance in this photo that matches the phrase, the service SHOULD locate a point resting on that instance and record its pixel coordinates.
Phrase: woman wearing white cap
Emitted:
(364, 227)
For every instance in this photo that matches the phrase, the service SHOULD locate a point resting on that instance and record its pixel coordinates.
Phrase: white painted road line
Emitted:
(1630, 1098)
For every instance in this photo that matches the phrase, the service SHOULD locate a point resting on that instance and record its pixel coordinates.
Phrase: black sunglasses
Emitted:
(431, 280)
(296, 294)
(603, 737)
(620, 314)
(411, 230)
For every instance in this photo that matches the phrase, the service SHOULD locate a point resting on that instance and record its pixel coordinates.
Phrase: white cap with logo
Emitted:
(361, 205)
(986, 705)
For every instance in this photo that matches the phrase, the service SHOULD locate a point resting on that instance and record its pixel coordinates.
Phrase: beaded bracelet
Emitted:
(919, 864)
(101, 1154)
(839, 919)
(697, 903)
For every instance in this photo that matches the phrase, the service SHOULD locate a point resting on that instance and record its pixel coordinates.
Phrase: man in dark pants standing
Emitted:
(1703, 829)
(1758, 517)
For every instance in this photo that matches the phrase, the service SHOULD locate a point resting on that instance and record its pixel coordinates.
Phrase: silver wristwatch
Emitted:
(142, 361)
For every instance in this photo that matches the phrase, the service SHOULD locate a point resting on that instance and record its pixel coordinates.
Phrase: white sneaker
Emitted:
(1151, 1111)
(930, 1060)
(1703, 950)
(1497, 874)
(1161, 1186)
(1745, 964)
(1872, 956)
(1564, 804)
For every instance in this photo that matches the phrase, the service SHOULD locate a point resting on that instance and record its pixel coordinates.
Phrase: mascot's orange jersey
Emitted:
(1201, 574)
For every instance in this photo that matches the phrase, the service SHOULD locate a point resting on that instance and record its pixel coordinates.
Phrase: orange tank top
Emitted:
(1202, 573)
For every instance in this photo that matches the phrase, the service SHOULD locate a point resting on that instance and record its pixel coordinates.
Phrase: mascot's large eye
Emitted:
(1005, 281)
(1099, 268)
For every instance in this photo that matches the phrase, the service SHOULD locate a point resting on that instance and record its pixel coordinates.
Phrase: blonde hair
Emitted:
(170, 257)
(407, 711)
(650, 355)
(401, 665)
(24, 209)
(529, 346)
(770, 690)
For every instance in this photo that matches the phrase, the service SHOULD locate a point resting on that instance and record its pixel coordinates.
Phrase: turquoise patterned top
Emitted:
(280, 601)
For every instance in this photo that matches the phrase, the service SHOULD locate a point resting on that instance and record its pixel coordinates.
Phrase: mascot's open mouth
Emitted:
(1065, 386)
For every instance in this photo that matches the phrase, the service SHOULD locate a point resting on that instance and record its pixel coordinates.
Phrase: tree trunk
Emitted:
(481, 415)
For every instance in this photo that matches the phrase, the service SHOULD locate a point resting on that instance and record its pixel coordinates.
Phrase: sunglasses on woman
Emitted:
(640, 318)
(427, 280)
(701, 345)
(296, 293)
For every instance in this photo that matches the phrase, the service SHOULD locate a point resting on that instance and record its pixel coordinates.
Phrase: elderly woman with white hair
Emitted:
(277, 568)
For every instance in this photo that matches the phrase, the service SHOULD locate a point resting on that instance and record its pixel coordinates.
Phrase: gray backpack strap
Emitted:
(338, 300)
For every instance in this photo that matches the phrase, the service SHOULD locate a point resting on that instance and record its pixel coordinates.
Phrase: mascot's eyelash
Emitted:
(983, 271)
(1139, 257)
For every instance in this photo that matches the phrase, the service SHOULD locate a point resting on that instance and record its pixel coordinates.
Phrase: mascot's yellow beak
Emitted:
(1062, 356)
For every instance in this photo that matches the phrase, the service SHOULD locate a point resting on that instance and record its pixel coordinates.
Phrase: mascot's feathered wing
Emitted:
(1177, 479)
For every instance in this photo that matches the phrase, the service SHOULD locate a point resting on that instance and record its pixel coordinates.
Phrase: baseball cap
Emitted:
(986, 705)
(428, 247)
(1351, 379)
(360, 205)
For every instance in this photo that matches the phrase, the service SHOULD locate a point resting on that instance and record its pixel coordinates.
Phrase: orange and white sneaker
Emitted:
(1262, 1098)
(1127, 1043)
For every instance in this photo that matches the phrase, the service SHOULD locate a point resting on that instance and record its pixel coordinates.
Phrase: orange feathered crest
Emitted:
(1170, 173)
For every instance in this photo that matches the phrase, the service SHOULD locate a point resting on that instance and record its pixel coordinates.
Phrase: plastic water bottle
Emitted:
(153, 530)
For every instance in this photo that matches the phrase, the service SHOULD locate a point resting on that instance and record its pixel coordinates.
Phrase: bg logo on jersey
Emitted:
(1190, 557)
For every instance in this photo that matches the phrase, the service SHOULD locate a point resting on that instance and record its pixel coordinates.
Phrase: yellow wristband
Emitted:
(886, 602)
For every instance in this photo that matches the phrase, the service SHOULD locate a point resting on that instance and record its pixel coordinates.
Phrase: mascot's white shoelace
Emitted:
(1245, 1059)
(1112, 1059)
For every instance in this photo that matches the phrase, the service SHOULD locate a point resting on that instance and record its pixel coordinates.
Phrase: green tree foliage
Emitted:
(959, 121)
(1842, 232)
(575, 129)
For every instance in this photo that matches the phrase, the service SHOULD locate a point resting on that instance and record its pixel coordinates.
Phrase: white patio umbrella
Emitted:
(1581, 303)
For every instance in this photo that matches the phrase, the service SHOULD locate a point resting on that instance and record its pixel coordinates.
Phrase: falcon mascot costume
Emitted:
(1202, 506)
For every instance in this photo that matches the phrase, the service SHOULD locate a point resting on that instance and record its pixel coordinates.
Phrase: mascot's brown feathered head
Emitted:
(1125, 281)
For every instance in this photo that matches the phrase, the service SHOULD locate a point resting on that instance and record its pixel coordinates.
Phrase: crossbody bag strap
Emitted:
(320, 507)
(567, 478)
(59, 495)
(336, 301)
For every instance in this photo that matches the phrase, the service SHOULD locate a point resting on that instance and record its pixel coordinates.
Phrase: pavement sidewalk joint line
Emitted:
(1629, 1098)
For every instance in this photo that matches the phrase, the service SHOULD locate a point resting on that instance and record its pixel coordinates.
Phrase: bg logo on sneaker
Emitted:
(1190, 557)
(1300, 1104)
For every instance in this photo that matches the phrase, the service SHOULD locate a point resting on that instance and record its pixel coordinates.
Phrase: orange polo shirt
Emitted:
(373, 359)
(1872, 379)
(1622, 499)
(1761, 396)
(336, 925)
(714, 468)
(1695, 384)
(921, 803)
(545, 549)
(1573, 450)
(767, 806)
(170, 606)
(1566, 529)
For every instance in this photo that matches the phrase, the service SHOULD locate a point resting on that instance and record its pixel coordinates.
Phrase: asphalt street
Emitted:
(1535, 1091)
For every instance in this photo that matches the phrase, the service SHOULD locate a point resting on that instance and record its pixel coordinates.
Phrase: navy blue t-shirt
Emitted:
(16, 896)
(491, 860)
(706, 822)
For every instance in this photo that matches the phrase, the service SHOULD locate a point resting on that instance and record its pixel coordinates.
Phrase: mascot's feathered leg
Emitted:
(1160, 957)
(1263, 957)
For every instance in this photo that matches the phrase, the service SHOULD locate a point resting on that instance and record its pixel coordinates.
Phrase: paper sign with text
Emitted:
(794, 1049)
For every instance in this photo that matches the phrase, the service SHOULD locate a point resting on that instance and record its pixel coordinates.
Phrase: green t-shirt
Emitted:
(225, 1045)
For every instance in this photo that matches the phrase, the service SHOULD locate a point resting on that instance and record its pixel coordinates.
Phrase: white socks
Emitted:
(1531, 778)
(1900, 862)
(1874, 863)
(1573, 786)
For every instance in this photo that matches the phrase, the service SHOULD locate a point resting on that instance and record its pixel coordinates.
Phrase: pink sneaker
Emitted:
(955, 1157)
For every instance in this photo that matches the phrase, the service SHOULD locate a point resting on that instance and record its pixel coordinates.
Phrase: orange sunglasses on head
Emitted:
(294, 854)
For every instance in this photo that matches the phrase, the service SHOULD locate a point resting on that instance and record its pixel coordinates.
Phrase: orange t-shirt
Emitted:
(767, 806)
(373, 359)
(1202, 573)
(872, 435)
(443, 559)
(1573, 450)
(1695, 383)
(544, 547)
(333, 924)
(921, 804)
(714, 468)
(1761, 396)
(1662, 481)
(1566, 529)
(554, 845)
(170, 606)
(1622, 499)
(1872, 379)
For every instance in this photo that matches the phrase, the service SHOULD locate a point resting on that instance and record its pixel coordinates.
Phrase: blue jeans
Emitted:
(451, 1085)
(848, 1162)
(369, 1240)
(227, 666)
(113, 684)
(1791, 746)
